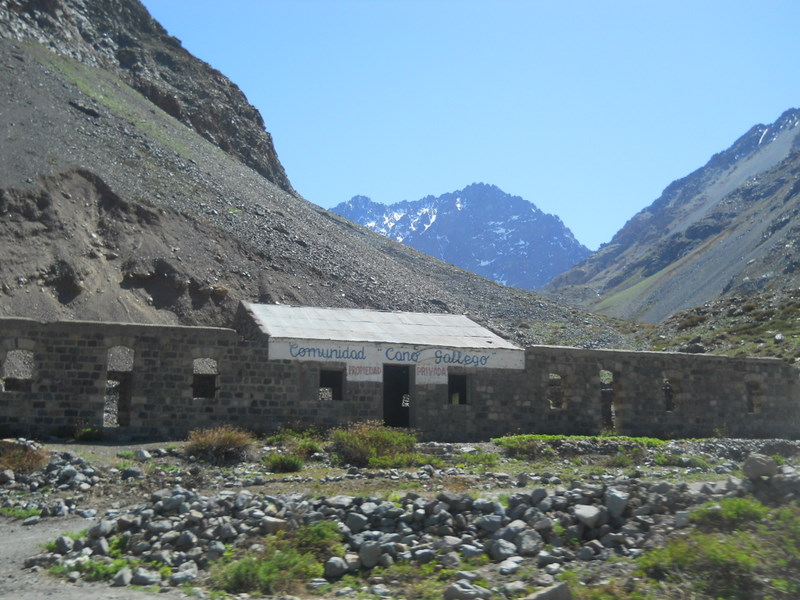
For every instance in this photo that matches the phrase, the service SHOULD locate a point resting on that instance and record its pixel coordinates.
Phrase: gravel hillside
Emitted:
(112, 209)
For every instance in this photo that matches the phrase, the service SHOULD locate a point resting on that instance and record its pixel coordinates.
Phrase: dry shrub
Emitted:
(21, 458)
(689, 321)
(223, 444)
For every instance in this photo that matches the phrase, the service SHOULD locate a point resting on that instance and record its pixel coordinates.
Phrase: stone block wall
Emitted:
(631, 393)
(64, 378)
(70, 373)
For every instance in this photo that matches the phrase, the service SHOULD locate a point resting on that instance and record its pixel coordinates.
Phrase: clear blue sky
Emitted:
(588, 109)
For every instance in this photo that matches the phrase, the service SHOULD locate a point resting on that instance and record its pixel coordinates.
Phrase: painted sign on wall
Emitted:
(364, 372)
(365, 360)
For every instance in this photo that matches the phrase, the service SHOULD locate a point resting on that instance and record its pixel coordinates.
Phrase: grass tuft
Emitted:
(372, 444)
(283, 463)
(18, 512)
(220, 445)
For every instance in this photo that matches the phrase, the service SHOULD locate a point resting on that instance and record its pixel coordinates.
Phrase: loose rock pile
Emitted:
(542, 527)
(66, 475)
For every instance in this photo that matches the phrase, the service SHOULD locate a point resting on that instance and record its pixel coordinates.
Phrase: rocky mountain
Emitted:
(121, 37)
(481, 229)
(731, 227)
(138, 185)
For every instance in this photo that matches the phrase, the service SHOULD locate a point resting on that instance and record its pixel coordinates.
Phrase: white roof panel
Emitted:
(360, 325)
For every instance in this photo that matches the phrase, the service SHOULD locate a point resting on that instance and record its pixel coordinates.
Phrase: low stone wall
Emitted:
(58, 377)
(633, 393)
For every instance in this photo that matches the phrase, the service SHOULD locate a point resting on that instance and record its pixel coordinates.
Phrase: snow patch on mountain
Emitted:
(481, 229)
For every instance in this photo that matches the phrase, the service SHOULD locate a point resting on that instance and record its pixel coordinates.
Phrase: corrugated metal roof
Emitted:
(361, 325)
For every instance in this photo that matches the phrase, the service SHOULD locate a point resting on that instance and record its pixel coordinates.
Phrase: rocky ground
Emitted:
(505, 527)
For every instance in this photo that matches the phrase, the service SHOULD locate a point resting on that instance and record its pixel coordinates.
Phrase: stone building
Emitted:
(441, 374)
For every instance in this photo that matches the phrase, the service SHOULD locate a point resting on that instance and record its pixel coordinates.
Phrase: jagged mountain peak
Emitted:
(479, 228)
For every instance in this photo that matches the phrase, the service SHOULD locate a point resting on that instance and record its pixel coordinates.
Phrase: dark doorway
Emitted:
(396, 396)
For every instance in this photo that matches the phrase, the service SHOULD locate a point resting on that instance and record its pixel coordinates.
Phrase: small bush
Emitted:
(729, 513)
(302, 442)
(224, 444)
(22, 459)
(690, 321)
(283, 463)
(306, 447)
(321, 539)
(369, 442)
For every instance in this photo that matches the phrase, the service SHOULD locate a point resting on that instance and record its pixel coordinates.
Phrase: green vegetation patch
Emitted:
(289, 559)
(88, 434)
(718, 565)
(300, 442)
(104, 568)
(662, 459)
(372, 444)
(740, 550)
(481, 459)
(18, 512)
(534, 446)
(729, 513)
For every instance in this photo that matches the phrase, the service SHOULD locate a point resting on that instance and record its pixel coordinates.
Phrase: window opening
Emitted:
(17, 374)
(204, 382)
(555, 391)
(753, 397)
(119, 386)
(669, 394)
(331, 385)
(607, 400)
(457, 388)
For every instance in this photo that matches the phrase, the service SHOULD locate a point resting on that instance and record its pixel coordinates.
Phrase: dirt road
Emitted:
(18, 543)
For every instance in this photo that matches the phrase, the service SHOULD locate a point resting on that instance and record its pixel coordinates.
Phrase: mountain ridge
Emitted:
(673, 254)
(479, 228)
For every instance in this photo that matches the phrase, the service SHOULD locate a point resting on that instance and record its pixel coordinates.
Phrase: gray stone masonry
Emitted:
(55, 379)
